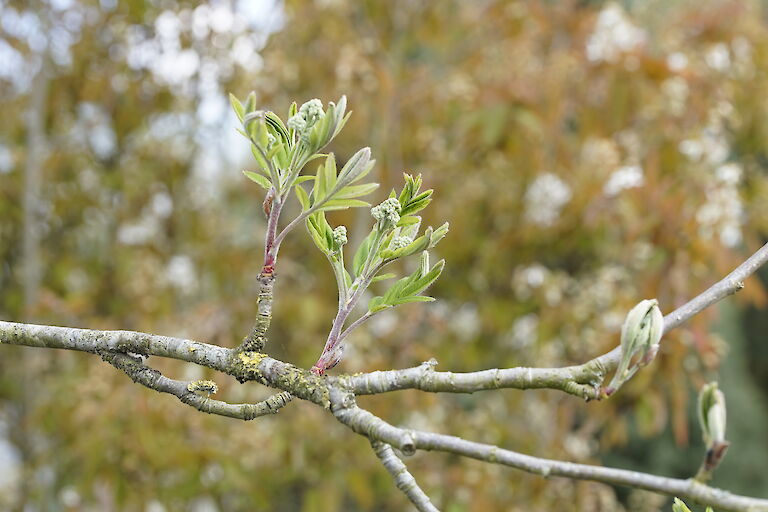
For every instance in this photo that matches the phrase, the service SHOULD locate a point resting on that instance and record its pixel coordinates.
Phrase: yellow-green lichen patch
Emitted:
(203, 387)
(251, 360)
(246, 366)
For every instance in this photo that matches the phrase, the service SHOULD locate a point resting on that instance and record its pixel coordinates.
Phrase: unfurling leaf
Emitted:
(355, 168)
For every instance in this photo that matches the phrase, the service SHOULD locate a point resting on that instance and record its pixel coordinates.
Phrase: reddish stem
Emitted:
(270, 247)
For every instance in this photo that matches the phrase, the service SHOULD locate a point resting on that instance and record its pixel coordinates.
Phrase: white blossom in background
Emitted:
(691, 148)
(677, 62)
(162, 205)
(155, 506)
(11, 464)
(729, 174)
(628, 176)
(94, 130)
(529, 278)
(545, 198)
(465, 322)
(147, 228)
(718, 57)
(204, 504)
(676, 94)
(614, 35)
(69, 497)
(712, 147)
(181, 274)
(141, 231)
(743, 61)
(600, 153)
(6, 159)
(723, 212)
(524, 331)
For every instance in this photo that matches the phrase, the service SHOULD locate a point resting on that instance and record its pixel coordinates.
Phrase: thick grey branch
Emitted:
(373, 427)
(574, 380)
(87, 340)
(153, 379)
(581, 380)
(403, 479)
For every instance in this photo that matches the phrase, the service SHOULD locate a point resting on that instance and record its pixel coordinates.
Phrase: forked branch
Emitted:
(149, 377)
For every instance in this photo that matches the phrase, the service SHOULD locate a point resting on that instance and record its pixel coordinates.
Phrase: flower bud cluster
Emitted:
(399, 242)
(309, 113)
(387, 213)
(312, 111)
(340, 236)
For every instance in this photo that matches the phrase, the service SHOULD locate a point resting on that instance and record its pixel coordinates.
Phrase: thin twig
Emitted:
(580, 380)
(354, 325)
(403, 479)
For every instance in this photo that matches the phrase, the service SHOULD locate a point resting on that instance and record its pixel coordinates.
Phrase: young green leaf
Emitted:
(237, 107)
(408, 220)
(329, 174)
(356, 191)
(321, 189)
(342, 204)
(250, 103)
(412, 298)
(355, 168)
(361, 255)
(303, 198)
(438, 235)
(258, 178)
(382, 277)
(411, 286)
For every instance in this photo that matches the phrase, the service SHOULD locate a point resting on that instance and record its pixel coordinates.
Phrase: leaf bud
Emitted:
(640, 336)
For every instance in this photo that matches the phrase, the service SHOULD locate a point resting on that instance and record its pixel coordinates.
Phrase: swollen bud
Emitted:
(712, 416)
(640, 336)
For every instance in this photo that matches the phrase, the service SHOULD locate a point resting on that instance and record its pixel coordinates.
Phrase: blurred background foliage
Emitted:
(587, 155)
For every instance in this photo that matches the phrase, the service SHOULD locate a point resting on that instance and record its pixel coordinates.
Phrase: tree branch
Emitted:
(408, 441)
(87, 340)
(582, 380)
(257, 338)
(153, 379)
(403, 479)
